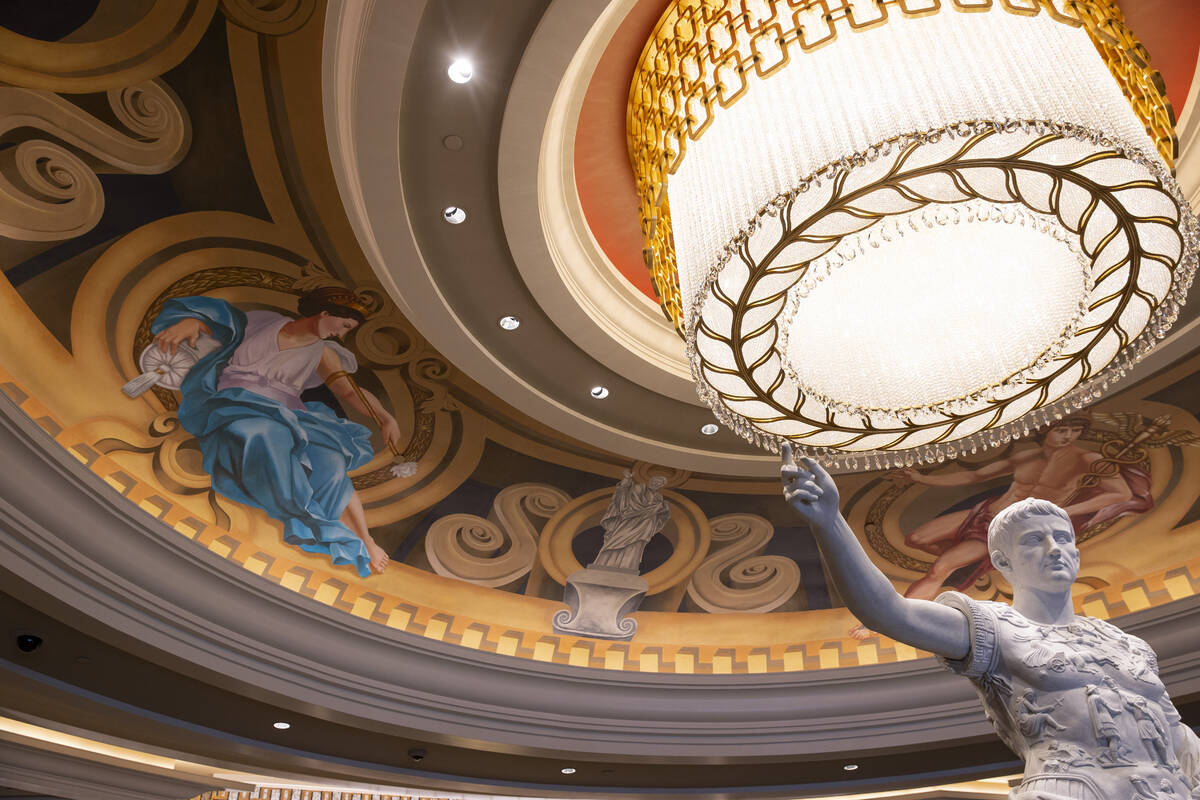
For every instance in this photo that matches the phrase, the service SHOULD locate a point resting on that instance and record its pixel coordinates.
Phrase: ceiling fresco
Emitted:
(196, 211)
(270, 457)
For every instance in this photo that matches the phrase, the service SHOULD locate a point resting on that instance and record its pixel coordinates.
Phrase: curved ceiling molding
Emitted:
(363, 125)
(179, 604)
(561, 262)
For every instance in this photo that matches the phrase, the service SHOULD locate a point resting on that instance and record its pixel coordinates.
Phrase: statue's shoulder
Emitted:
(982, 657)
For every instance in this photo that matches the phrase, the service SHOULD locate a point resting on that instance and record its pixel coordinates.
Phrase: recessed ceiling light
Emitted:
(599, 392)
(282, 726)
(568, 770)
(850, 767)
(454, 215)
(460, 70)
(710, 429)
(509, 322)
(452, 142)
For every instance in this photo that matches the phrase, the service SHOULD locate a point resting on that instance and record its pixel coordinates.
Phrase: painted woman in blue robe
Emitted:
(262, 444)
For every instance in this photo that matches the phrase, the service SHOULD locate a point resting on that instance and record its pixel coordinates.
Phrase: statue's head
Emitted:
(1032, 543)
(657, 482)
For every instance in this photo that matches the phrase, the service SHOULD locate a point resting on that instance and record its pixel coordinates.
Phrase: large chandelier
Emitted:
(891, 231)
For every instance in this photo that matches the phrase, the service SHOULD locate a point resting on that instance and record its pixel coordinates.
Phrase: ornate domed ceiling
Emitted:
(229, 163)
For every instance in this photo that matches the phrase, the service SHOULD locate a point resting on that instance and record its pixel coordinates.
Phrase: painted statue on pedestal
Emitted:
(637, 512)
(1079, 700)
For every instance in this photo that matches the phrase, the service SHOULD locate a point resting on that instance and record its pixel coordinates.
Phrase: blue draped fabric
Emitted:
(291, 463)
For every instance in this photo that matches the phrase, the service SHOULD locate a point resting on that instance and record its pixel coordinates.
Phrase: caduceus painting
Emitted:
(1096, 485)
(241, 375)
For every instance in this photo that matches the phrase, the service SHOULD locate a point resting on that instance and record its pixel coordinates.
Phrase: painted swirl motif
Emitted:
(138, 42)
(737, 577)
(501, 549)
(271, 18)
(47, 193)
(160, 124)
(1124, 211)
(48, 187)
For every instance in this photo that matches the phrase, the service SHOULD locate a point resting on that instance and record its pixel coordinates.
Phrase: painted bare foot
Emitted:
(861, 632)
(379, 558)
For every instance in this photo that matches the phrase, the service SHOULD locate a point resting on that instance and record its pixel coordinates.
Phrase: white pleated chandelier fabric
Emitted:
(929, 236)
(906, 76)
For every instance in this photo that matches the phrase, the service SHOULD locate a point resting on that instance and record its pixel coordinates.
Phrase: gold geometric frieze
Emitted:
(659, 650)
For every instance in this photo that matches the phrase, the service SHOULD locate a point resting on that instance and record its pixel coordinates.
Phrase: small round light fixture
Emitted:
(282, 726)
(509, 322)
(850, 767)
(454, 215)
(460, 70)
(568, 770)
(710, 429)
(599, 392)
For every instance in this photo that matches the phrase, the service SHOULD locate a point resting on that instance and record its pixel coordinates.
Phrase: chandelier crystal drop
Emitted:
(892, 232)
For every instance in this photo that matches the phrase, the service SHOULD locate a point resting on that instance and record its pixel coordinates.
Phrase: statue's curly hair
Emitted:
(1005, 525)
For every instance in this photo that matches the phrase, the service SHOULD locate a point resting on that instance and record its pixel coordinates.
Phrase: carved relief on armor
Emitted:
(1152, 729)
(1086, 646)
(1064, 757)
(1104, 706)
(1034, 720)
(1143, 791)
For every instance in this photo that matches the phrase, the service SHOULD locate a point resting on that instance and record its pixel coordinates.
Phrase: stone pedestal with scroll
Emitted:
(600, 600)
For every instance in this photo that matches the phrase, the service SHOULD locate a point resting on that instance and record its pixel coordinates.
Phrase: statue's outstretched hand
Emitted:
(808, 488)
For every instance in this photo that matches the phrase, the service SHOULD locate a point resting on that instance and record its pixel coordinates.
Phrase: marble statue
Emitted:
(601, 596)
(1079, 700)
(636, 513)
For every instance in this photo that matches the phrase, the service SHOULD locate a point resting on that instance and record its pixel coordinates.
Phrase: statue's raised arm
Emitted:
(1078, 699)
(810, 490)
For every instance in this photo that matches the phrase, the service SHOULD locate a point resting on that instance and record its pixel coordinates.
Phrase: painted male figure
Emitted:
(1034, 654)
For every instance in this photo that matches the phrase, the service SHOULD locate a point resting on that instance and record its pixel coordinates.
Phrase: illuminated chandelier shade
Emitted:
(890, 235)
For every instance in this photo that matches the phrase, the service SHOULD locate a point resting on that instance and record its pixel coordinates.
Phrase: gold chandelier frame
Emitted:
(703, 54)
(764, 404)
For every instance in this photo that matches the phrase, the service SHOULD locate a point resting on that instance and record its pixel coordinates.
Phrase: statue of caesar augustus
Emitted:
(1077, 699)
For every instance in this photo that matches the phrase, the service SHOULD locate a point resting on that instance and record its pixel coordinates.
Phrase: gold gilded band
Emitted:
(362, 398)
(334, 376)
(703, 52)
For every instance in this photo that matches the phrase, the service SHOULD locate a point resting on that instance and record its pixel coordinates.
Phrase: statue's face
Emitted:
(1043, 556)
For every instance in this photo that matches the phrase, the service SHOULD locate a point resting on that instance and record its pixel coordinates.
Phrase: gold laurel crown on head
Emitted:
(338, 296)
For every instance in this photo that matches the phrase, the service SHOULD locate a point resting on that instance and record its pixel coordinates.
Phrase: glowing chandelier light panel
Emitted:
(927, 236)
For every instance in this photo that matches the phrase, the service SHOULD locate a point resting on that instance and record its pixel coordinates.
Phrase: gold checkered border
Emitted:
(271, 793)
(396, 612)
